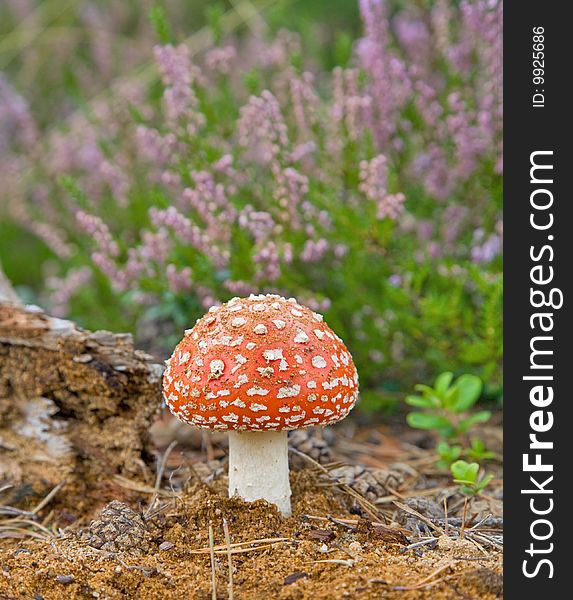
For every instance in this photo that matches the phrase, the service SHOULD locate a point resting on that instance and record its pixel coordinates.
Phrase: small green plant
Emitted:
(478, 451)
(448, 454)
(467, 476)
(446, 411)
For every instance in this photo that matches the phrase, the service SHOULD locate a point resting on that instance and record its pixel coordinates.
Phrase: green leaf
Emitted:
(443, 382)
(479, 417)
(420, 401)
(483, 483)
(464, 472)
(159, 21)
(428, 421)
(425, 389)
(469, 389)
(448, 454)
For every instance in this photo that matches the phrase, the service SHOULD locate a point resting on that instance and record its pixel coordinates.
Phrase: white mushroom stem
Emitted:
(258, 467)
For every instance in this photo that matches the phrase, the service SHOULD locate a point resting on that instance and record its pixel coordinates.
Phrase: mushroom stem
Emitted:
(258, 467)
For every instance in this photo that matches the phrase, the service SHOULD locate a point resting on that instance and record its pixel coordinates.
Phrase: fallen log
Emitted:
(74, 404)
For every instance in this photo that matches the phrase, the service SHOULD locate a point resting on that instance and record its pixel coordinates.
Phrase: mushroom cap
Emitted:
(261, 363)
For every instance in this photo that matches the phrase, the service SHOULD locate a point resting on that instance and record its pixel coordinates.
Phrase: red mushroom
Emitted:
(258, 367)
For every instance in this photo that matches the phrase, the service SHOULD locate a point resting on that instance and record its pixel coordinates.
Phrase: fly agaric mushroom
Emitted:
(258, 367)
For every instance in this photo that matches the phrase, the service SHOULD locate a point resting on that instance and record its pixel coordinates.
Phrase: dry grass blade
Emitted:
(21, 523)
(240, 546)
(366, 505)
(212, 556)
(48, 497)
(428, 580)
(135, 486)
(229, 558)
(335, 561)
(159, 476)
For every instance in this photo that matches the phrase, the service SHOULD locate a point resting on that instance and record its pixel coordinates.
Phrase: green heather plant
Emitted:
(371, 191)
(467, 476)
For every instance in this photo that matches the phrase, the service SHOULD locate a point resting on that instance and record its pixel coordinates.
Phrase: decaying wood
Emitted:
(73, 403)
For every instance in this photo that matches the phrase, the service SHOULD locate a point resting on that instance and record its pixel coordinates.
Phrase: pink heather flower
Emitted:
(305, 102)
(291, 188)
(62, 289)
(178, 76)
(373, 183)
(99, 231)
(220, 59)
(267, 262)
(53, 237)
(313, 251)
(262, 128)
(16, 122)
(179, 279)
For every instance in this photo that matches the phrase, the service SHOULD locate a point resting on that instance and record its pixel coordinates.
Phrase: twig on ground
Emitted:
(159, 476)
(419, 516)
(212, 556)
(335, 561)
(420, 543)
(463, 527)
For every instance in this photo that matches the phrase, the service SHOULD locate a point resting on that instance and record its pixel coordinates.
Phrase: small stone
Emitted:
(166, 545)
(295, 577)
(65, 579)
(355, 547)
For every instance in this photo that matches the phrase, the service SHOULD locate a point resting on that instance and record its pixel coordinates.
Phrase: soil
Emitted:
(168, 553)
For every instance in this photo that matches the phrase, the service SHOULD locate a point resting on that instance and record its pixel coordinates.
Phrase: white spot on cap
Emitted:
(251, 346)
(184, 358)
(238, 403)
(257, 407)
(318, 362)
(301, 338)
(257, 391)
(283, 366)
(259, 307)
(288, 392)
(199, 361)
(276, 305)
(263, 419)
(260, 329)
(273, 354)
(279, 324)
(238, 322)
(295, 418)
(319, 334)
(235, 308)
(231, 418)
(217, 367)
(241, 380)
(296, 312)
(318, 317)
(284, 409)
(298, 359)
(265, 371)
(311, 384)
